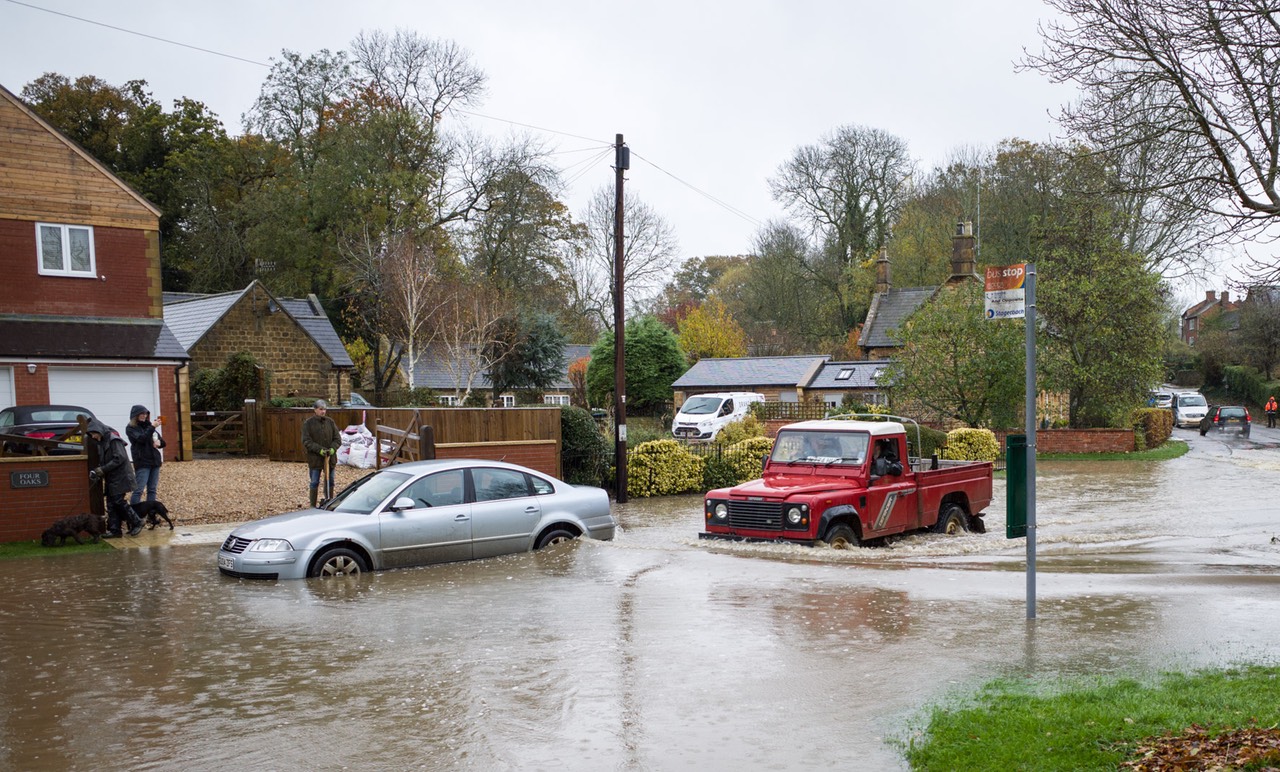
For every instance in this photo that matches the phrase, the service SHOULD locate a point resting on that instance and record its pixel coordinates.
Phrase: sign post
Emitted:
(1011, 294)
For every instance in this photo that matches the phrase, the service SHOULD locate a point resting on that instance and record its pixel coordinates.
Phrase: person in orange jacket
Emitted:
(1271, 412)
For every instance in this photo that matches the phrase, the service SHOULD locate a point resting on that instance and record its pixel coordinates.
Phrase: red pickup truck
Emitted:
(843, 482)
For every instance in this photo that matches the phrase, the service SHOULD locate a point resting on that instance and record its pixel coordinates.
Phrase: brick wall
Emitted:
(298, 366)
(129, 259)
(535, 454)
(1079, 440)
(26, 512)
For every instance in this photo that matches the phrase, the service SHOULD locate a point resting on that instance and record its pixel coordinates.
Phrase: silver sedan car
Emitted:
(419, 513)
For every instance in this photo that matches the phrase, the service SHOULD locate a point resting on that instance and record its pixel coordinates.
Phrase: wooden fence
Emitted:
(280, 429)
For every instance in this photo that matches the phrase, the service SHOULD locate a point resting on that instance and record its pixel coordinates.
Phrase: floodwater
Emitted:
(656, 651)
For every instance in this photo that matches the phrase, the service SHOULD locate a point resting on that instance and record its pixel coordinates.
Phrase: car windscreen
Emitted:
(701, 405)
(364, 495)
(820, 447)
(1191, 400)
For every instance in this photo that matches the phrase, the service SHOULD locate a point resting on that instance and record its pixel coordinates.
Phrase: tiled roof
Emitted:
(430, 370)
(310, 314)
(749, 371)
(888, 311)
(190, 315)
(861, 375)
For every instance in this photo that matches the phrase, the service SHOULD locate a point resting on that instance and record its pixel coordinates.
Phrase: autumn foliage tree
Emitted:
(711, 331)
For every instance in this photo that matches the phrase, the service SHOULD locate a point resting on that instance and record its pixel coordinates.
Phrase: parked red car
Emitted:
(1226, 417)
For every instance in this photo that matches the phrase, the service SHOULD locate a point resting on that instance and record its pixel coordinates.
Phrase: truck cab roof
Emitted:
(874, 428)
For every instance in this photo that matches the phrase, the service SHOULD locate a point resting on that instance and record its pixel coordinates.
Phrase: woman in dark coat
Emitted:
(145, 443)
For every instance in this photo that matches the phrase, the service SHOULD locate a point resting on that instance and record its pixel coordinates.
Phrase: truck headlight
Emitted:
(722, 511)
(793, 515)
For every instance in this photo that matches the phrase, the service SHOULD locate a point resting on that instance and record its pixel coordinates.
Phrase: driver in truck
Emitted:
(884, 460)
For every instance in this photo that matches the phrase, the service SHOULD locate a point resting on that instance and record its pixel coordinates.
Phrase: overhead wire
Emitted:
(726, 206)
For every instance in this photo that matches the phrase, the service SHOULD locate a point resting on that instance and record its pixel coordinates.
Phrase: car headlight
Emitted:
(722, 511)
(271, 545)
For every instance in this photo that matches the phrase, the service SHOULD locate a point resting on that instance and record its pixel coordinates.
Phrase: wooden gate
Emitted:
(218, 431)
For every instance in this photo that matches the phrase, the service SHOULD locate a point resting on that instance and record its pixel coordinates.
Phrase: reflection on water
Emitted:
(655, 651)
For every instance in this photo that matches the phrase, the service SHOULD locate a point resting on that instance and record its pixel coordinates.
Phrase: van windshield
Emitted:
(1191, 400)
(701, 405)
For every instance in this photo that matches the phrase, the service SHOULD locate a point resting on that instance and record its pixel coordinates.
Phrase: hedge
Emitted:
(971, 445)
(663, 468)
(931, 441)
(1151, 427)
(584, 452)
(1248, 384)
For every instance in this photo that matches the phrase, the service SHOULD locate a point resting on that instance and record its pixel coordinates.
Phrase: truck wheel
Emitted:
(842, 537)
(952, 521)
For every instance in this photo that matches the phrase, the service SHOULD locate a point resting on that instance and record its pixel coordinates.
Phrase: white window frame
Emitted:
(65, 235)
(845, 374)
(555, 399)
(508, 400)
(448, 400)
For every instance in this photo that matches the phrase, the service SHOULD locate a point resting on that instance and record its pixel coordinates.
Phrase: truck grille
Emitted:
(764, 515)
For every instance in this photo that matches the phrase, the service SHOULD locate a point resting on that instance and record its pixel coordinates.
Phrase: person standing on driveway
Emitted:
(115, 469)
(321, 439)
(1271, 412)
(145, 442)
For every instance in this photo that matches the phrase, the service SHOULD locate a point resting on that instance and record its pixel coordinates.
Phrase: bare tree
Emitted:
(847, 189)
(470, 323)
(1186, 90)
(649, 255)
(411, 296)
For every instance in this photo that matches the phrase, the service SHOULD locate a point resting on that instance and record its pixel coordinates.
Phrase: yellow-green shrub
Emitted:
(742, 429)
(971, 445)
(745, 457)
(662, 468)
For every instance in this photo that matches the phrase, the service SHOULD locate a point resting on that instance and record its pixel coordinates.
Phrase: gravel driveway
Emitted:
(232, 490)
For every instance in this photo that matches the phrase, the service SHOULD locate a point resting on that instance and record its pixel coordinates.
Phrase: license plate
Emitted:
(226, 562)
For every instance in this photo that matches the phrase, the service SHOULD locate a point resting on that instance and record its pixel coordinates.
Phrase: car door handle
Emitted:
(461, 518)
(531, 510)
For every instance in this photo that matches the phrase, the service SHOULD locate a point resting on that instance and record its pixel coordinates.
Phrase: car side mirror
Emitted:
(403, 503)
(764, 462)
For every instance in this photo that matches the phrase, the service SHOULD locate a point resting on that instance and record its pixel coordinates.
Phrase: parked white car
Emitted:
(702, 417)
(1189, 408)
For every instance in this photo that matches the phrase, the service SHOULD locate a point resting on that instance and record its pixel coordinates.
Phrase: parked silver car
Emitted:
(419, 513)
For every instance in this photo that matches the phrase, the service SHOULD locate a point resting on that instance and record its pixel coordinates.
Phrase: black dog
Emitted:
(152, 511)
(71, 527)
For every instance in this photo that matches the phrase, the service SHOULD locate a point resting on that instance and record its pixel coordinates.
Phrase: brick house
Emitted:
(80, 304)
(1196, 317)
(448, 377)
(861, 378)
(291, 338)
(891, 307)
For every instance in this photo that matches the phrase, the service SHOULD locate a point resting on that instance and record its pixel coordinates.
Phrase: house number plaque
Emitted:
(28, 479)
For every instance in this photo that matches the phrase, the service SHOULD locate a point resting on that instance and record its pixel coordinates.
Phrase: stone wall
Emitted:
(296, 363)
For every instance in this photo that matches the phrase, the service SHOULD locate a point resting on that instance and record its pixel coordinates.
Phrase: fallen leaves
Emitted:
(1197, 748)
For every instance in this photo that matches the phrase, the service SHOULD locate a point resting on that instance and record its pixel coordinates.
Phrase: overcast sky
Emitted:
(717, 94)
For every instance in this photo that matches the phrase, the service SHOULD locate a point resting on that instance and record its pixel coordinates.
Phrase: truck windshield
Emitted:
(701, 405)
(814, 447)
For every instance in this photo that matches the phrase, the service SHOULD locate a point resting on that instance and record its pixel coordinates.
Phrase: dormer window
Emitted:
(66, 250)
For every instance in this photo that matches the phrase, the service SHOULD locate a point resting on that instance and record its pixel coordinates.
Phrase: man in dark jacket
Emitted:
(321, 439)
(114, 468)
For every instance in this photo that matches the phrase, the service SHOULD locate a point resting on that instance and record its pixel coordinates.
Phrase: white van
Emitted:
(702, 416)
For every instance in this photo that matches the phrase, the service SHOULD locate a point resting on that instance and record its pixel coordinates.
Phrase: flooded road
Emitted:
(652, 652)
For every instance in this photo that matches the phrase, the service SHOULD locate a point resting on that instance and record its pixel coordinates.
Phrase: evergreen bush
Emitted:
(663, 468)
(971, 445)
(584, 452)
(1151, 427)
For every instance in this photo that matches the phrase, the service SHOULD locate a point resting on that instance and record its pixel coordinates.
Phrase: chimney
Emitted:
(1210, 296)
(1226, 297)
(962, 266)
(882, 271)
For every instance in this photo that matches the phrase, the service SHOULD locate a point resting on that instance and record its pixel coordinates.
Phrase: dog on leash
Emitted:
(152, 512)
(70, 527)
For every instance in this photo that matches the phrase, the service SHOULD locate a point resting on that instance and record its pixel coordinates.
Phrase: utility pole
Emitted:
(622, 162)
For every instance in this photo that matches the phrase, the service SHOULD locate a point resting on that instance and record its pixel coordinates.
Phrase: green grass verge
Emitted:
(1170, 449)
(31, 549)
(1013, 724)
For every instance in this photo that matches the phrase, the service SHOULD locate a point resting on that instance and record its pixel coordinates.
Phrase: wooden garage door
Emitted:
(108, 391)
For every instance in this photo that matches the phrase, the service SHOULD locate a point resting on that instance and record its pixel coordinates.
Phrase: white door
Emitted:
(108, 391)
(6, 387)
